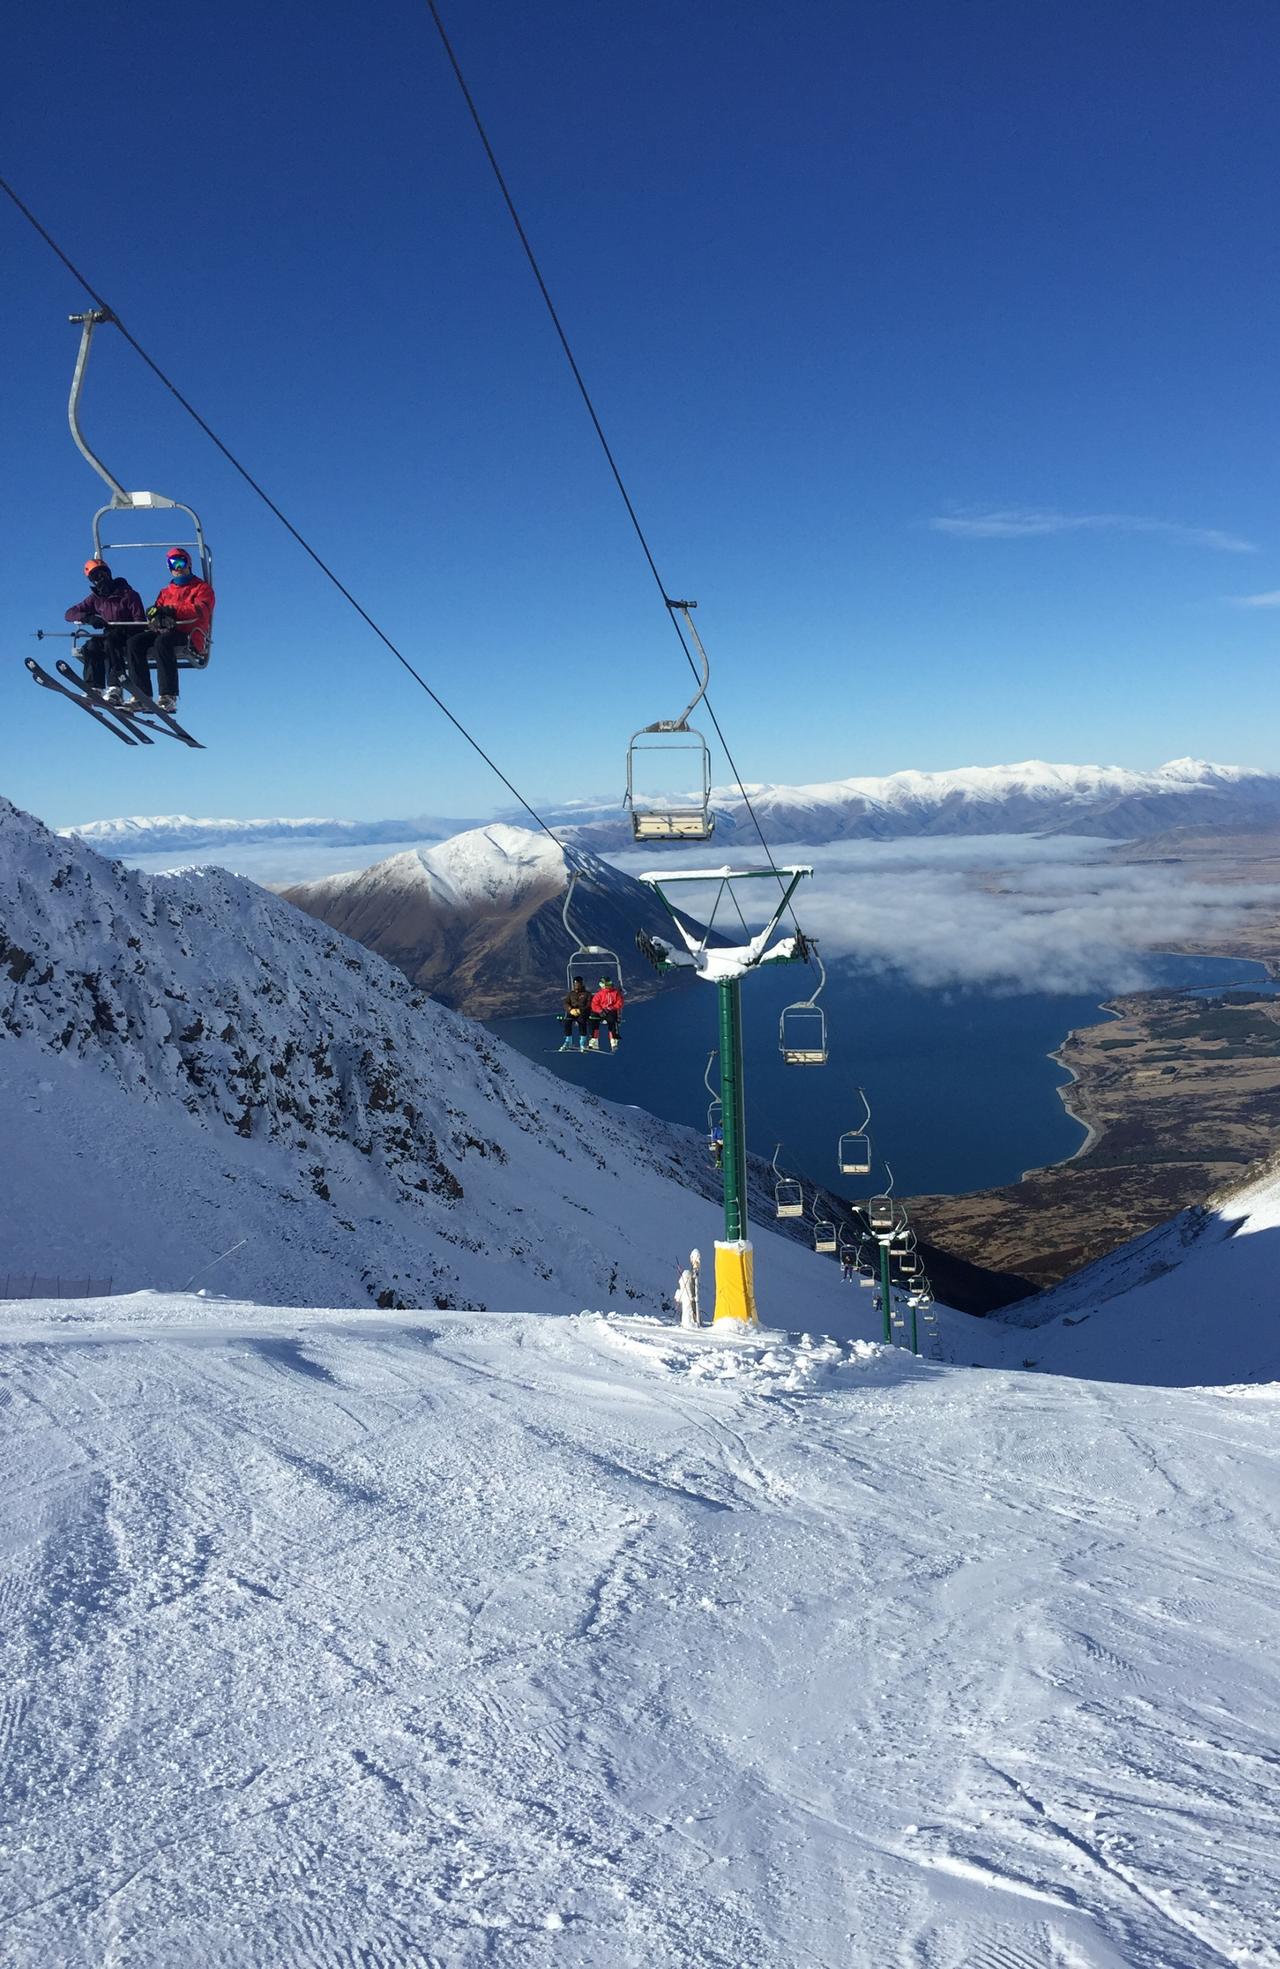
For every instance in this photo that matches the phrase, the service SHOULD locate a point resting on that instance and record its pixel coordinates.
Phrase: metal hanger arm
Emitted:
(89, 322)
(681, 723)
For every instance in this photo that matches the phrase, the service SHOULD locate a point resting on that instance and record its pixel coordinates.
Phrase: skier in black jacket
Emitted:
(114, 607)
(577, 1012)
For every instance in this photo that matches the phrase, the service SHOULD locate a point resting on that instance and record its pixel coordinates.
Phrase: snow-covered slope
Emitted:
(372, 1643)
(189, 1067)
(1192, 1302)
(477, 920)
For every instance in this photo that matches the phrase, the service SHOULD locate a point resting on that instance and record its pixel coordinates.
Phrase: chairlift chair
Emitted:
(909, 1263)
(715, 1108)
(802, 1028)
(670, 753)
(587, 957)
(854, 1147)
(824, 1236)
(882, 1216)
(135, 502)
(788, 1194)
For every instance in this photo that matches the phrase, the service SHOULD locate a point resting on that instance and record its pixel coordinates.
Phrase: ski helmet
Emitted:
(96, 567)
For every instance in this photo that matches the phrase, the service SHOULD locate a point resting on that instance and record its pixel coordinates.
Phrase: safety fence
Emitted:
(30, 1285)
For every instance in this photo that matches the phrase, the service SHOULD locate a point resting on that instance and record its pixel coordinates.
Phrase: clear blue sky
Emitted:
(834, 273)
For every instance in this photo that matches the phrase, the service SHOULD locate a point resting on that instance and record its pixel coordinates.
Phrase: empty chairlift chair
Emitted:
(802, 1028)
(854, 1147)
(882, 1216)
(715, 1114)
(825, 1236)
(669, 769)
(788, 1195)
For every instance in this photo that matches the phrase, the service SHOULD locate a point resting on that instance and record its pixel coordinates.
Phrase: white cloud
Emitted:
(1051, 917)
(1022, 522)
(1270, 600)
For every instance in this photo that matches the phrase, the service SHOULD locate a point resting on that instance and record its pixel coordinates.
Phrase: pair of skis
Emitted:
(131, 723)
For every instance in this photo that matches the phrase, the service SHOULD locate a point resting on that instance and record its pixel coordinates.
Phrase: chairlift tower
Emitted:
(725, 966)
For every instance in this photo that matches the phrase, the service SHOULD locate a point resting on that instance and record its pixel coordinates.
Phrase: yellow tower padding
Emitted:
(735, 1284)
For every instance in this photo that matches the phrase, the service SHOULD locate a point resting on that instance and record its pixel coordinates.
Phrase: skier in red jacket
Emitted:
(606, 1009)
(182, 618)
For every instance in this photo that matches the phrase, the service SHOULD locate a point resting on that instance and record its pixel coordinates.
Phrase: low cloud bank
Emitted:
(999, 913)
(1063, 921)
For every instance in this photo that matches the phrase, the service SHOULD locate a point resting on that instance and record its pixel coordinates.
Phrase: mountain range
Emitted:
(1110, 802)
(1030, 798)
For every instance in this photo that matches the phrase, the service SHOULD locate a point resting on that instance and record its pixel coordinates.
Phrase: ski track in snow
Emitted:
(337, 1640)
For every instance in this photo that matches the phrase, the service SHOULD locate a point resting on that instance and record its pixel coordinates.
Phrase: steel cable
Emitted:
(599, 428)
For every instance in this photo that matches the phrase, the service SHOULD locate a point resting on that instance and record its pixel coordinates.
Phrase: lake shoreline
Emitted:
(1181, 1097)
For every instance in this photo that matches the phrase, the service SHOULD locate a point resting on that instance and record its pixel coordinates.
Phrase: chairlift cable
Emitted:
(585, 394)
(270, 503)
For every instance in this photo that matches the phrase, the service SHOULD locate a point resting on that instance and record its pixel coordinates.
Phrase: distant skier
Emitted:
(180, 620)
(847, 1267)
(606, 1010)
(715, 1146)
(110, 605)
(577, 1013)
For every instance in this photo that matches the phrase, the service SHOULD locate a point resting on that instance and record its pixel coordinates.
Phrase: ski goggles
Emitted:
(180, 560)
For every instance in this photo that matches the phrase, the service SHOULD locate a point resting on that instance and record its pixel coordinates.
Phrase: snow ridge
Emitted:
(199, 1051)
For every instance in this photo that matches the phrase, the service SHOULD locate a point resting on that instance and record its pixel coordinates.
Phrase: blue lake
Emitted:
(962, 1091)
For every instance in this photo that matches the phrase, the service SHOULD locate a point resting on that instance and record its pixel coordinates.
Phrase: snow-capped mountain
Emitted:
(1030, 798)
(193, 1073)
(1033, 797)
(182, 834)
(477, 921)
